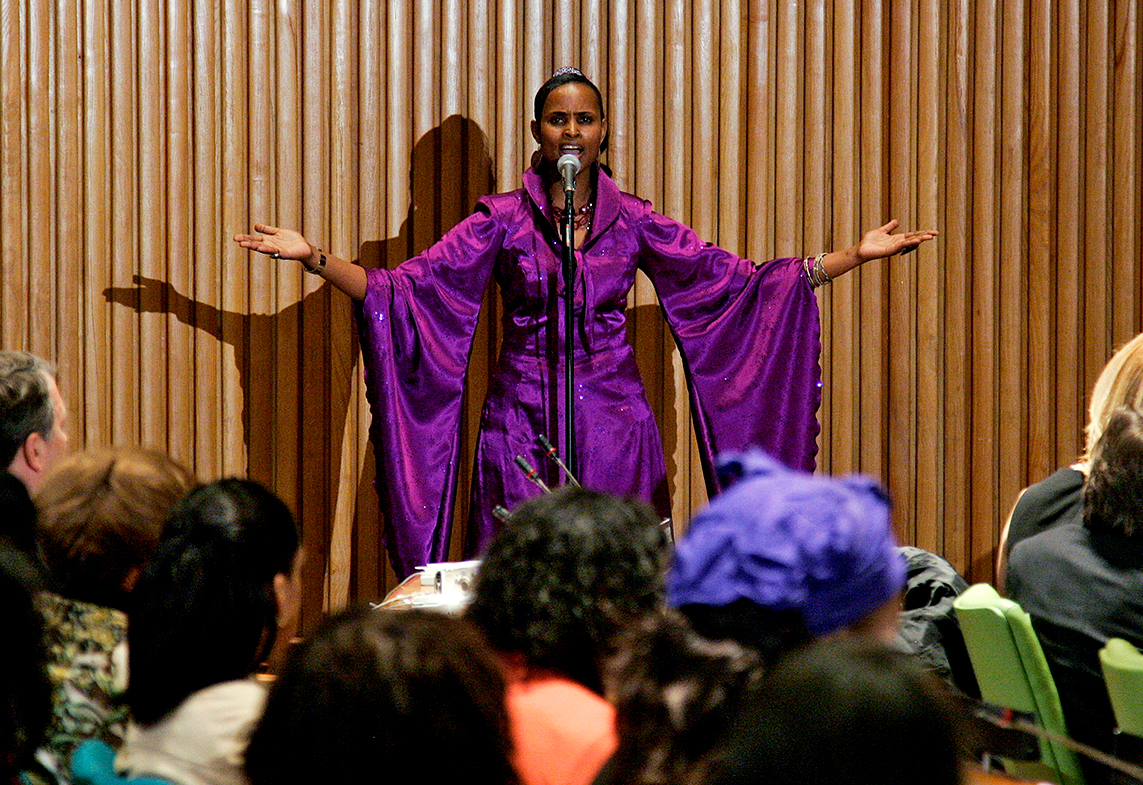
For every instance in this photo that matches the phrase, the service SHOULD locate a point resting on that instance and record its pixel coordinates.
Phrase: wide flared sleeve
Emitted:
(416, 326)
(749, 335)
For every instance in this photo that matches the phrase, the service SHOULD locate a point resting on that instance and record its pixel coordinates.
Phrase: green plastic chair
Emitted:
(1012, 672)
(1123, 673)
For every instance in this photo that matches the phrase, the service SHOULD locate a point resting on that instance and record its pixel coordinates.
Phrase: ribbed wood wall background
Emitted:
(137, 136)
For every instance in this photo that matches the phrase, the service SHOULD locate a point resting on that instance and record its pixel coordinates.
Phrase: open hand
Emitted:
(880, 242)
(279, 243)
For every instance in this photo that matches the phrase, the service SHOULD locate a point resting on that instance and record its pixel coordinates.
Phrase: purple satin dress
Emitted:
(748, 334)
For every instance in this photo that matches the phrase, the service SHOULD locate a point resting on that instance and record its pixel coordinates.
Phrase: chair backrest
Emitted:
(93, 763)
(1123, 673)
(1012, 671)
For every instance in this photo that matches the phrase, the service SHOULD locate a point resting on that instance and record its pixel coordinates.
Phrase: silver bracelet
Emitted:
(815, 270)
(320, 265)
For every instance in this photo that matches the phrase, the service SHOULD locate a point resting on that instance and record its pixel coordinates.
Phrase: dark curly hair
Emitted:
(376, 690)
(844, 710)
(675, 695)
(1113, 491)
(565, 575)
(768, 632)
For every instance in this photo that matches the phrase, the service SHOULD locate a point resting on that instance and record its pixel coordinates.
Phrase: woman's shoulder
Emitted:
(1062, 484)
(1054, 500)
(505, 205)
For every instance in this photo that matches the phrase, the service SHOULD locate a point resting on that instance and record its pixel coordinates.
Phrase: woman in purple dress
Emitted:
(748, 334)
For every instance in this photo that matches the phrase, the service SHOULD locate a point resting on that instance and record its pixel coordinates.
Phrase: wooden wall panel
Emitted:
(137, 137)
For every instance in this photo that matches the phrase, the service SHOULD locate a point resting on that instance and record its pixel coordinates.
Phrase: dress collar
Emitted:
(606, 200)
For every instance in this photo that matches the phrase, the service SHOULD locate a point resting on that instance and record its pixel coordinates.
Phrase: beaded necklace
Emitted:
(582, 218)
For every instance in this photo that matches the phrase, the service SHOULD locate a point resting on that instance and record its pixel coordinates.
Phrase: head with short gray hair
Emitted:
(25, 401)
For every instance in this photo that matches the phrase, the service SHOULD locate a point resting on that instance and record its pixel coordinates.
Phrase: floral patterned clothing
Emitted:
(87, 665)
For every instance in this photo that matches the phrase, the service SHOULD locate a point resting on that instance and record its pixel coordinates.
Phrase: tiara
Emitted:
(567, 69)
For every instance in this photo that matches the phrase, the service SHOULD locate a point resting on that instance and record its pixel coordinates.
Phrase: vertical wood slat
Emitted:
(121, 415)
(930, 286)
(1095, 228)
(251, 334)
(286, 309)
(178, 436)
(902, 393)
(95, 390)
(1013, 127)
(841, 322)
(68, 209)
(983, 278)
(1124, 128)
(39, 195)
(208, 44)
(956, 244)
(151, 405)
(12, 197)
(233, 294)
(1012, 406)
(344, 146)
(320, 457)
(870, 344)
(1042, 323)
(1065, 372)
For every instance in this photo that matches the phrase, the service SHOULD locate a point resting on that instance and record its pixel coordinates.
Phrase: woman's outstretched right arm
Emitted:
(288, 244)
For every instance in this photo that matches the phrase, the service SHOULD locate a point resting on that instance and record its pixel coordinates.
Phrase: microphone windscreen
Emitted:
(568, 159)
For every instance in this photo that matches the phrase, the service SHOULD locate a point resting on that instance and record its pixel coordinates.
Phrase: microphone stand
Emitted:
(569, 330)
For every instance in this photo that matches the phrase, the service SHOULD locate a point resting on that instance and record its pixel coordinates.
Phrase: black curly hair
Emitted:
(570, 570)
(378, 689)
(675, 694)
(844, 710)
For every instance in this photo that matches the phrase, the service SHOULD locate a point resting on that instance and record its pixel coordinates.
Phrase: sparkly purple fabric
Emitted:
(748, 334)
(788, 540)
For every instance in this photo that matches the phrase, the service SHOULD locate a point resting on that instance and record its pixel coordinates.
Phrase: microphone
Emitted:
(531, 473)
(569, 168)
(550, 452)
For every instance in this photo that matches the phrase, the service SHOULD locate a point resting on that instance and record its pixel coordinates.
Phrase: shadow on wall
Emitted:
(297, 389)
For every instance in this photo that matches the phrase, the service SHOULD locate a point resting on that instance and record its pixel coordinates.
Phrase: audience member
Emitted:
(1082, 582)
(851, 711)
(556, 585)
(412, 694)
(674, 693)
(25, 696)
(205, 613)
(18, 525)
(32, 417)
(101, 514)
(1058, 499)
(782, 557)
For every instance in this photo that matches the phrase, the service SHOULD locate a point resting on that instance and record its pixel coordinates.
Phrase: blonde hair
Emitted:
(1120, 383)
(101, 513)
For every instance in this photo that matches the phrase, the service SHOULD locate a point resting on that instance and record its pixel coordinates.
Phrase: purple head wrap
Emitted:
(787, 540)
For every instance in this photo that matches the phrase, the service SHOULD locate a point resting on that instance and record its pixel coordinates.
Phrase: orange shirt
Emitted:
(562, 732)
